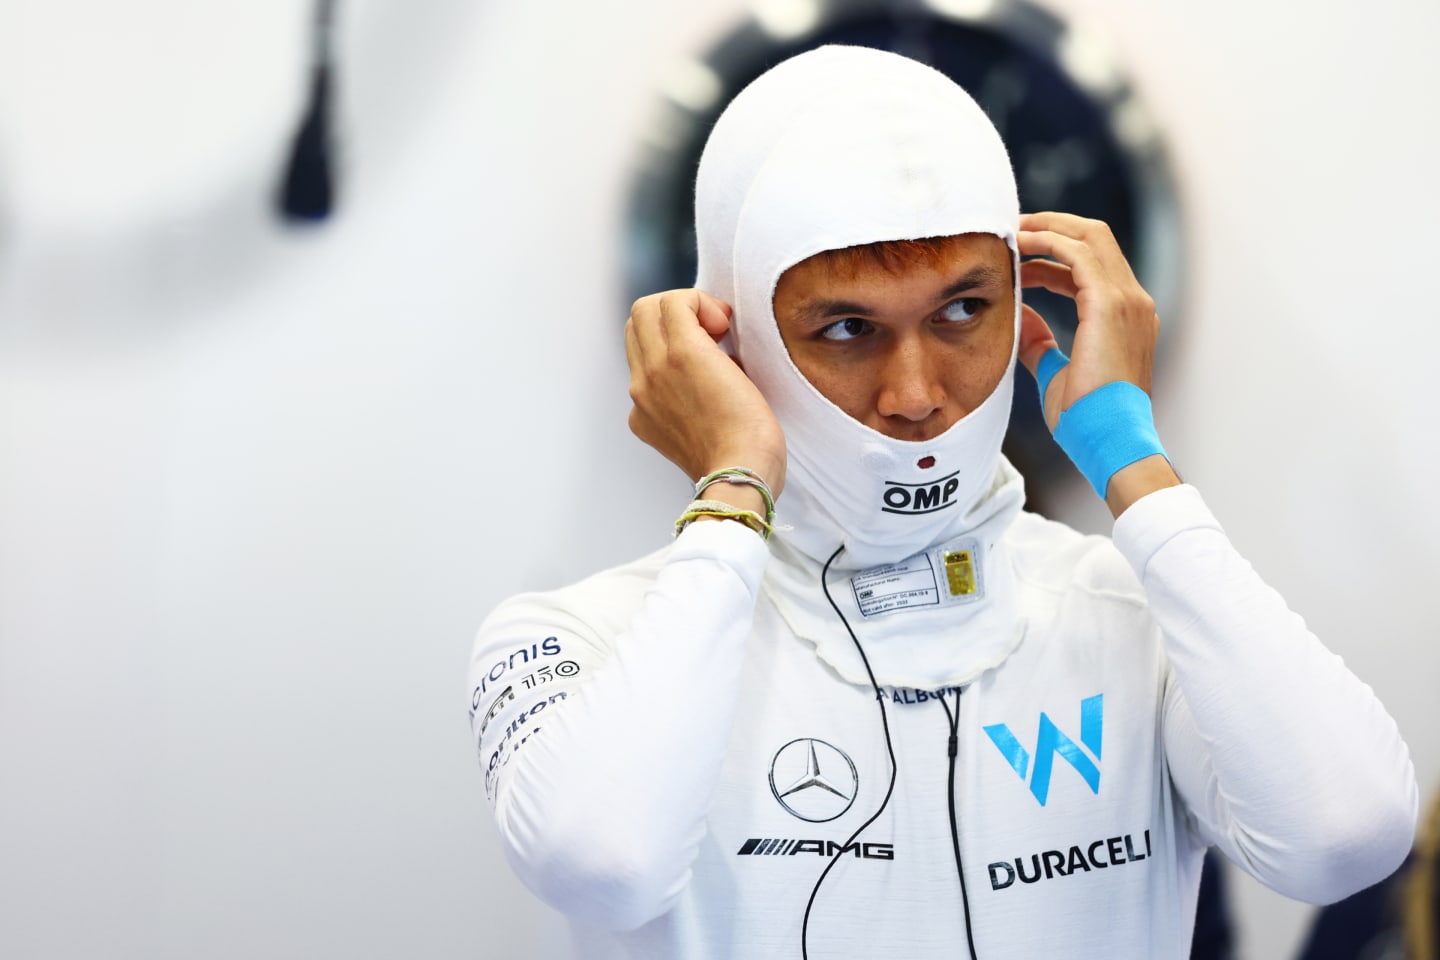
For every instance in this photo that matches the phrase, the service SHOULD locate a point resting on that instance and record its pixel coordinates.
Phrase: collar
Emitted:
(940, 617)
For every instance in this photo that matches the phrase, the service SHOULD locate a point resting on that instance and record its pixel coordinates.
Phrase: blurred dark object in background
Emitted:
(1214, 933)
(1396, 919)
(307, 193)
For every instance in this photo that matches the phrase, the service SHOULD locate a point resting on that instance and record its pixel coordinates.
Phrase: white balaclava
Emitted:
(834, 148)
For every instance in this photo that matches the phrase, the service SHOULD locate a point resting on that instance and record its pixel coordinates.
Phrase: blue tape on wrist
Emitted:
(1106, 430)
(1052, 363)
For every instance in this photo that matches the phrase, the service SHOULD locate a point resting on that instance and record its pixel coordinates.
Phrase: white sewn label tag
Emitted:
(895, 586)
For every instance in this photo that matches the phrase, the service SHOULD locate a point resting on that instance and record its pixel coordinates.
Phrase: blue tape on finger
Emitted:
(1106, 430)
(1052, 363)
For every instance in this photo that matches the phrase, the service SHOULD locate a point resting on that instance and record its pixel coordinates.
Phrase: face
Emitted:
(906, 352)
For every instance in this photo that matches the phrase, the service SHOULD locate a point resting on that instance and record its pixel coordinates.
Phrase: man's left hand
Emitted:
(1115, 339)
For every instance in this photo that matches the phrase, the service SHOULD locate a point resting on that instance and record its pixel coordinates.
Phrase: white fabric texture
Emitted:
(833, 148)
(919, 648)
(637, 719)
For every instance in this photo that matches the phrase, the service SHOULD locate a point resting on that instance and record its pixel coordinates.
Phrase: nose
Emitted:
(910, 386)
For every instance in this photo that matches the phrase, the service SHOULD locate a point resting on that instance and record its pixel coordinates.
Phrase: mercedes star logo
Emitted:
(813, 780)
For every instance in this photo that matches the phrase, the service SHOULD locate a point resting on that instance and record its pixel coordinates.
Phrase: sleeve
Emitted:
(602, 748)
(1286, 761)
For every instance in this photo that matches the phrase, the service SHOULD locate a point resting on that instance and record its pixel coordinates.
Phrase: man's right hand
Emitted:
(693, 403)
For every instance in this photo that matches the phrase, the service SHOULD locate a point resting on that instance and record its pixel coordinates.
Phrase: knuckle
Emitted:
(682, 358)
(636, 391)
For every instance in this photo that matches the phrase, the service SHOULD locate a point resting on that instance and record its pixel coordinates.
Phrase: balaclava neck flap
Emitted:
(838, 147)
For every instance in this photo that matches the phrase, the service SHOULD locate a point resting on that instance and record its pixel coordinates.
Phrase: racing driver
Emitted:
(864, 704)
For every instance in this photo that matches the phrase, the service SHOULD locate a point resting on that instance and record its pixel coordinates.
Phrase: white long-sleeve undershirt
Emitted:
(606, 791)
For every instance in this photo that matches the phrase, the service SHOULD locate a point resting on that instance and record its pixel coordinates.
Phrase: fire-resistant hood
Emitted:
(838, 147)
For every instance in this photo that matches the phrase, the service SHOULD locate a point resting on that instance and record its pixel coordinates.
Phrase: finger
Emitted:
(714, 315)
(1096, 234)
(1065, 223)
(1055, 277)
(680, 317)
(636, 354)
(639, 381)
(645, 329)
(1036, 339)
(1086, 268)
(632, 347)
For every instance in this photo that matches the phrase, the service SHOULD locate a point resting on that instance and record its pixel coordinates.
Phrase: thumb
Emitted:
(1036, 339)
(714, 315)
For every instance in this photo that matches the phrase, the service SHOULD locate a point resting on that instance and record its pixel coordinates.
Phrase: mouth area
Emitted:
(912, 432)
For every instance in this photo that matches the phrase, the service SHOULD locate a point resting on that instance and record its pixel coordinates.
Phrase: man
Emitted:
(916, 720)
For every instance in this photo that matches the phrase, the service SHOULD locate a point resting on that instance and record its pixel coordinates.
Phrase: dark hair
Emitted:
(893, 256)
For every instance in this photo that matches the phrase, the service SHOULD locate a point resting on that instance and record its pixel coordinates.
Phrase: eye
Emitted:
(962, 310)
(847, 329)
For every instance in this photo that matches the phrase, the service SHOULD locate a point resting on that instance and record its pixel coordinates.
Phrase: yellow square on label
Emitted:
(960, 572)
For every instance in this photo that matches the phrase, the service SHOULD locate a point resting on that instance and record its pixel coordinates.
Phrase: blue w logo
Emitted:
(1052, 741)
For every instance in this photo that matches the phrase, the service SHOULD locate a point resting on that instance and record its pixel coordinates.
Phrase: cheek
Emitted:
(846, 387)
(980, 370)
(850, 385)
(1001, 345)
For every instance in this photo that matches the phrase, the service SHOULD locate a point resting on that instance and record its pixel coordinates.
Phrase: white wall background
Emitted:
(257, 489)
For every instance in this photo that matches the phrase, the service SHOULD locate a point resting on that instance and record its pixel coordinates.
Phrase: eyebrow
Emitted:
(817, 310)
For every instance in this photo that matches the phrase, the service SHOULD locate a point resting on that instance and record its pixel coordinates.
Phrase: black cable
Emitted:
(954, 822)
(889, 747)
